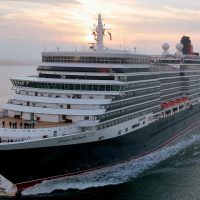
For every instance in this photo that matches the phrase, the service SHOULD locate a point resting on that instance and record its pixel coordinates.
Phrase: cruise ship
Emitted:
(89, 110)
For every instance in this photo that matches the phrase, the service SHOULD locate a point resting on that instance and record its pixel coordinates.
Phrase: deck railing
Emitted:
(16, 135)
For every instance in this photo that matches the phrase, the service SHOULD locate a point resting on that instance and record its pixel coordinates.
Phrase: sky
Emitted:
(27, 26)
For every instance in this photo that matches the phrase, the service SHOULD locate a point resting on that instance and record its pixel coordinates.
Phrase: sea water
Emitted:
(172, 173)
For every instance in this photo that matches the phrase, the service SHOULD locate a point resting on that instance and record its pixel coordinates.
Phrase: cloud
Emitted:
(44, 1)
(155, 4)
(70, 21)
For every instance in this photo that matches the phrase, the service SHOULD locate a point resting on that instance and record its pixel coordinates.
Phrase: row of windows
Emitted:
(127, 118)
(160, 76)
(192, 61)
(164, 129)
(112, 60)
(187, 88)
(192, 82)
(182, 87)
(153, 76)
(172, 90)
(177, 61)
(172, 124)
(62, 86)
(194, 96)
(172, 85)
(100, 69)
(191, 86)
(129, 110)
(54, 95)
(189, 73)
(131, 102)
(83, 77)
(140, 85)
(171, 96)
(197, 91)
(137, 93)
(192, 78)
(167, 61)
(170, 80)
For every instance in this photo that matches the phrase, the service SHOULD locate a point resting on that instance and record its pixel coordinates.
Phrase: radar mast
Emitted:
(99, 33)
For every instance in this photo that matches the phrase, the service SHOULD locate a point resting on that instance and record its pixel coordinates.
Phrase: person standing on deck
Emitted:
(3, 124)
(10, 124)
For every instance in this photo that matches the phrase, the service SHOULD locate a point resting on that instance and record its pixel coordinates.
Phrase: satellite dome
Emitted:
(179, 47)
(165, 46)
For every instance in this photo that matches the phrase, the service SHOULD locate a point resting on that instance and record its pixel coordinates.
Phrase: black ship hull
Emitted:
(26, 167)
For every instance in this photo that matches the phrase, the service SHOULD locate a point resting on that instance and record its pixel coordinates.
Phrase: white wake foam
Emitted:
(112, 175)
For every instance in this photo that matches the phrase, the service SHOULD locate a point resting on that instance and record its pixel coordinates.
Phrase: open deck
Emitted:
(15, 123)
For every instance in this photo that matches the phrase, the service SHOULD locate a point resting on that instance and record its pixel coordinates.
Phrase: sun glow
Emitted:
(70, 22)
(89, 38)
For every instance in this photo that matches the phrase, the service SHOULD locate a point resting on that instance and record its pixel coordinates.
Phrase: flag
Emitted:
(94, 33)
(110, 35)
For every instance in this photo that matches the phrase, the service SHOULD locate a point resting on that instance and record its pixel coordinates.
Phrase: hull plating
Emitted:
(31, 164)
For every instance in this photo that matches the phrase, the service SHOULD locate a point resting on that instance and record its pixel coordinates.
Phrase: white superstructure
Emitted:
(94, 95)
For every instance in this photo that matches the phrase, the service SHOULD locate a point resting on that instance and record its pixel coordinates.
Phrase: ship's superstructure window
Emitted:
(97, 69)
(102, 60)
(132, 101)
(191, 84)
(86, 117)
(63, 86)
(142, 84)
(81, 77)
(129, 109)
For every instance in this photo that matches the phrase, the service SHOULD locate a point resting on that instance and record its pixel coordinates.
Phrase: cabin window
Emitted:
(55, 133)
(86, 117)
(135, 125)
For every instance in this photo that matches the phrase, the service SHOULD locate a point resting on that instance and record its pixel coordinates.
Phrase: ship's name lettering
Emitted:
(71, 139)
